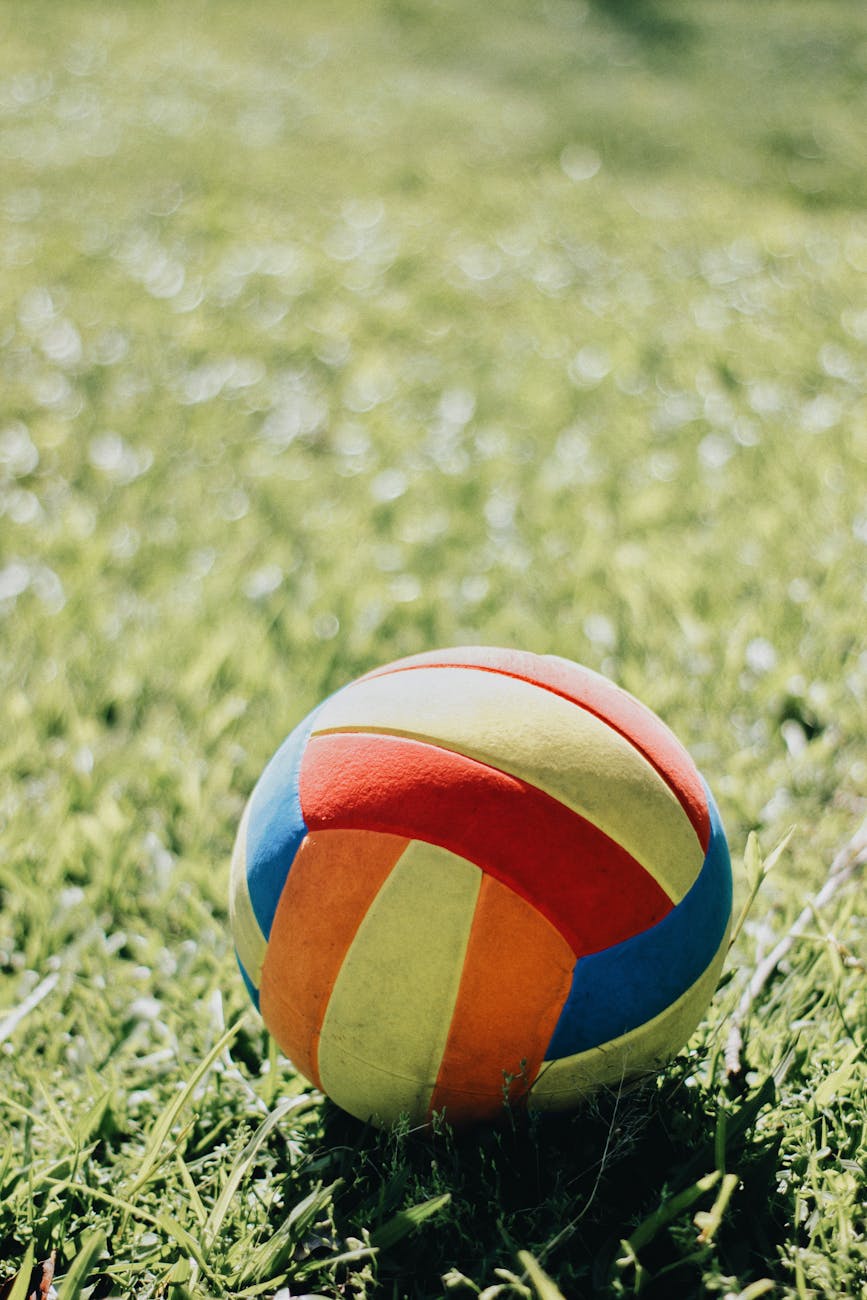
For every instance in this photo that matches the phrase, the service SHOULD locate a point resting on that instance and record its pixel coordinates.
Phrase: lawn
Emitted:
(332, 333)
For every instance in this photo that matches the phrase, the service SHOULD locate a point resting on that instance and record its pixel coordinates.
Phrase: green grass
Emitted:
(331, 333)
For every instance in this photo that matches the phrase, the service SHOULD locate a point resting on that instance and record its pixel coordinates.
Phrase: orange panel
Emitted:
(517, 975)
(334, 878)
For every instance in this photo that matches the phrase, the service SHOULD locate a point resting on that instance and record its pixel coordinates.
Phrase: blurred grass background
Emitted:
(329, 334)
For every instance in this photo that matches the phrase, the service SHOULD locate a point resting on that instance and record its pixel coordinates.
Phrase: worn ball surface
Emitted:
(479, 875)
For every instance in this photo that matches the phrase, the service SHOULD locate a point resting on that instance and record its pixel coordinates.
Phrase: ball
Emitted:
(479, 878)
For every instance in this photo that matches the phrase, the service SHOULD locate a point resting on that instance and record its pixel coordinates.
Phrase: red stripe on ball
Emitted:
(593, 891)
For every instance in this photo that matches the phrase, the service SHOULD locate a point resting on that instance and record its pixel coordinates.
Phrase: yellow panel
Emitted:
(541, 738)
(249, 939)
(644, 1050)
(386, 1026)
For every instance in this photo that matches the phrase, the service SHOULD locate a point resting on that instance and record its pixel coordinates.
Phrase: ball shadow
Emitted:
(568, 1188)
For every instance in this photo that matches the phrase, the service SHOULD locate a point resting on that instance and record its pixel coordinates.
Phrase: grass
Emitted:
(330, 334)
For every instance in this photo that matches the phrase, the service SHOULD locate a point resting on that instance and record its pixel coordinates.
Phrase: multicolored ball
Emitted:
(478, 876)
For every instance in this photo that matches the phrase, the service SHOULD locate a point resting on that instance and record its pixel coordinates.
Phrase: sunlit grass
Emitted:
(328, 336)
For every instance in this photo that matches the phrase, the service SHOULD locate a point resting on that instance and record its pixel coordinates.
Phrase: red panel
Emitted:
(333, 880)
(626, 715)
(589, 888)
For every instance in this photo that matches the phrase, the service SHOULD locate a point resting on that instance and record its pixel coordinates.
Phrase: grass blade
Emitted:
(708, 1221)
(728, 1136)
(400, 1225)
(21, 1285)
(164, 1221)
(179, 1234)
(757, 868)
(647, 1230)
(263, 1263)
(543, 1285)
(164, 1124)
(75, 1279)
(829, 1087)
(242, 1165)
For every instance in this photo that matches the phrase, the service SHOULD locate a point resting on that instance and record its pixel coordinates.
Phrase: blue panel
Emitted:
(251, 987)
(622, 987)
(276, 825)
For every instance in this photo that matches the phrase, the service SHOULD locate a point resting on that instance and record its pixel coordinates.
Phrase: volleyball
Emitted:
(479, 878)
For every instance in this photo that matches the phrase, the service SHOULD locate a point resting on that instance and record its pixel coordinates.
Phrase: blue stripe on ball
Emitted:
(276, 825)
(628, 984)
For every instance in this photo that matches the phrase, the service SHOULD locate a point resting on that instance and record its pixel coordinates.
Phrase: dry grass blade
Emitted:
(12, 1020)
(844, 867)
(32, 1282)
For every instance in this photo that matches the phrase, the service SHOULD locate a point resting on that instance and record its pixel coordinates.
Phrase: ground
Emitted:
(332, 333)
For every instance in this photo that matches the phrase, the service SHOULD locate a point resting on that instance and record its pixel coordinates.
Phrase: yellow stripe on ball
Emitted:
(389, 1015)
